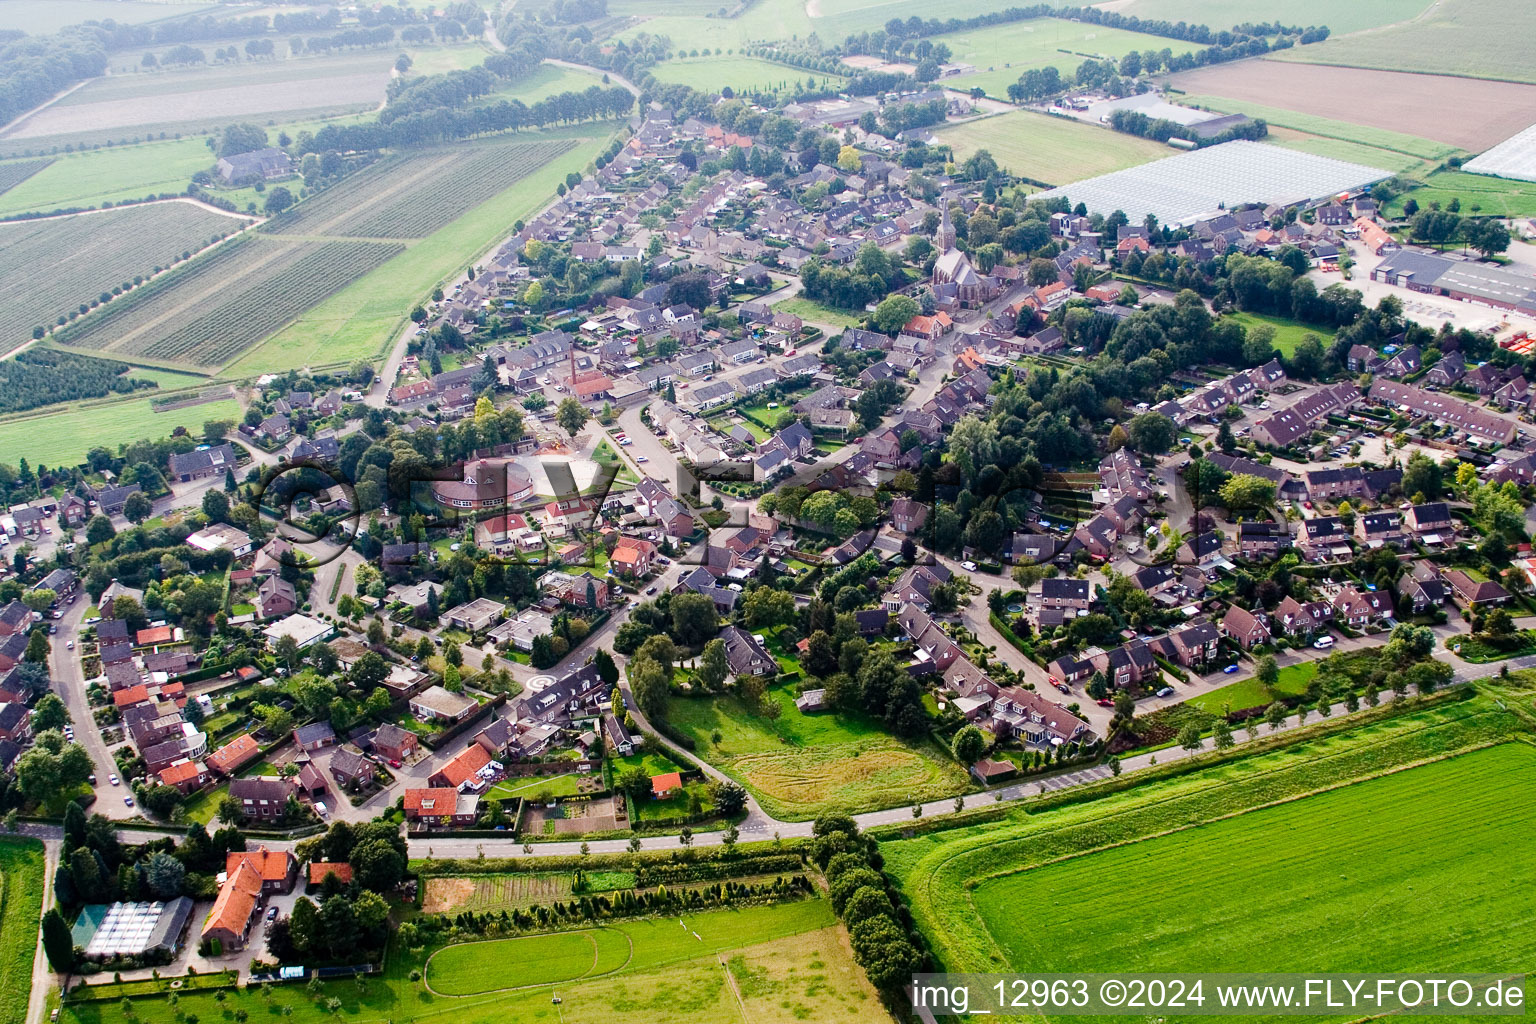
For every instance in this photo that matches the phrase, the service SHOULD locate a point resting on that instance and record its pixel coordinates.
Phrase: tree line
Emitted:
(41, 376)
(1134, 122)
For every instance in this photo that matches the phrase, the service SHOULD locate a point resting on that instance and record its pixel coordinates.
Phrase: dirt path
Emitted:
(730, 980)
(17, 122)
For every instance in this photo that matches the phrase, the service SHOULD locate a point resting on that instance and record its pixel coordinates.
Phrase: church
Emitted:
(955, 283)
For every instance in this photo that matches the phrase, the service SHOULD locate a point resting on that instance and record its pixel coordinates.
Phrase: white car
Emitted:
(968, 566)
(1322, 643)
(641, 458)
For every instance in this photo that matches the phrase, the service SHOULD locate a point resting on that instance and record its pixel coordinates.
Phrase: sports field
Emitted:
(1470, 38)
(799, 766)
(1001, 53)
(1395, 841)
(107, 175)
(743, 74)
(49, 267)
(1218, 14)
(1050, 150)
(1478, 193)
(782, 963)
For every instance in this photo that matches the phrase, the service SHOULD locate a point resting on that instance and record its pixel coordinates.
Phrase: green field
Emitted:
(1479, 193)
(1328, 128)
(49, 267)
(36, 17)
(1250, 693)
(22, 877)
(801, 765)
(743, 74)
(548, 80)
(1381, 907)
(1218, 14)
(555, 785)
(1288, 333)
(837, 18)
(786, 963)
(108, 176)
(1052, 150)
(813, 312)
(359, 320)
(1469, 38)
(55, 437)
(1356, 153)
(943, 875)
(1001, 53)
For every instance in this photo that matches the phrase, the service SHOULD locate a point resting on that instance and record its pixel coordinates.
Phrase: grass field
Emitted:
(1472, 38)
(812, 311)
(937, 872)
(413, 196)
(787, 962)
(107, 175)
(49, 267)
(1383, 908)
(1051, 150)
(1288, 333)
(54, 437)
(1250, 693)
(555, 785)
(1479, 193)
(15, 172)
(1339, 18)
(210, 310)
(801, 765)
(547, 80)
(357, 321)
(1355, 153)
(1001, 53)
(1327, 127)
(21, 906)
(743, 74)
(834, 19)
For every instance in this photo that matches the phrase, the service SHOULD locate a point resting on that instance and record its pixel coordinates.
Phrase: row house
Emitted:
(1323, 538)
(1193, 646)
(1246, 628)
(1263, 540)
(1376, 529)
(1359, 608)
(1301, 618)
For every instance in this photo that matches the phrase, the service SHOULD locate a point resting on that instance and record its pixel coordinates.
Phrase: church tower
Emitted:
(945, 238)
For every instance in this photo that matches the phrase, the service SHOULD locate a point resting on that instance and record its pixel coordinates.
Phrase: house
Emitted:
(260, 799)
(1375, 529)
(521, 630)
(234, 755)
(1301, 618)
(746, 655)
(1421, 594)
(15, 619)
(436, 704)
(1262, 540)
(394, 743)
(267, 164)
(1358, 608)
(1130, 664)
(1069, 597)
(314, 736)
(916, 587)
(633, 557)
(185, 776)
(463, 769)
(1430, 519)
(1324, 537)
(1033, 718)
(475, 616)
(908, 516)
(1473, 593)
(1248, 629)
(666, 785)
(202, 463)
(319, 871)
(349, 767)
(276, 597)
(443, 805)
(1192, 646)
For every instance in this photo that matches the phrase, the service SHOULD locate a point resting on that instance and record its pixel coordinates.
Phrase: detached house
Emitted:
(1243, 626)
(745, 655)
(1358, 608)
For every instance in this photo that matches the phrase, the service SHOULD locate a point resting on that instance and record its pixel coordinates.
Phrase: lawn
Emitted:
(1382, 908)
(1050, 150)
(21, 906)
(743, 74)
(936, 872)
(534, 786)
(813, 312)
(358, 321)
(1250, 693)
(1471, 38)
(1288, 333)
(801, 765)
(53, 437)
(1001, 53)
(788, 962)
(476, 967)
(109, 175)
(1479, 193)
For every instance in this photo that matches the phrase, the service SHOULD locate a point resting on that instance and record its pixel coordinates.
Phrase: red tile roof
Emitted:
(317, 872)
(661, 785)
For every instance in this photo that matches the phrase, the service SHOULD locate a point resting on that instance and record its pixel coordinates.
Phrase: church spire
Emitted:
(945, 239)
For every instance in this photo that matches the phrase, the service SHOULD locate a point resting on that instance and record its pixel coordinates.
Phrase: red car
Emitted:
(1105, 702)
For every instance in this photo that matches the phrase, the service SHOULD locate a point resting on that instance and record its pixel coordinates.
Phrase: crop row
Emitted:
(14, 174)
(415, 196)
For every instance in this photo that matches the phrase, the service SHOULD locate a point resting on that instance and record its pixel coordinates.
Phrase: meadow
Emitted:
(208, 311)
(1050, 150)
(17, 171)
(412, 196)
(942, 874)
(1412, 837)
(1479, 193)
(1218, 14)
(1466, 38)
(53, 437)
(1001, 53)
(22, 877)
(49, 267)
(1288, 333)
(1250, 693)
(799, 766)
(1327, 127)
(74, 180)
(834, 19)
(786, 962)
(743, 74)
(360, 319)
(1355, 153)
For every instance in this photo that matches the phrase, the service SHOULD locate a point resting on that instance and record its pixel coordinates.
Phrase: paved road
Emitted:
(66, 672)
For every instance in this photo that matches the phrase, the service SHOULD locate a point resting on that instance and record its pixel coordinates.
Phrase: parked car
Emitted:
(127, 801)
(1063, 688)
(112, 779)
(1322, 643)
(1105, 702)
(641, 458)
(650, 590)
(1166, 691)
(1230, 669)
(968, 566)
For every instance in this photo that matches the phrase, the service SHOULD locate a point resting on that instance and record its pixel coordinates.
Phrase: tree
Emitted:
(1151, 433)
(1243, 491)
(57, 944)
(278, 200)
(242, 138)
(377, 865)
(1222, 734)
(713, 664)
(49, 713)
(893, 313)
(166, 876)
(848, 159)
(968, 745)
(694, 619)
(215, 505)
(1189, 737)
(37, 648)
(633, 780)
(1275, 715)
(572, 416)
(136, 509)
(607, 670)
(1267, 671)
(99, 530)
(730, 799)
